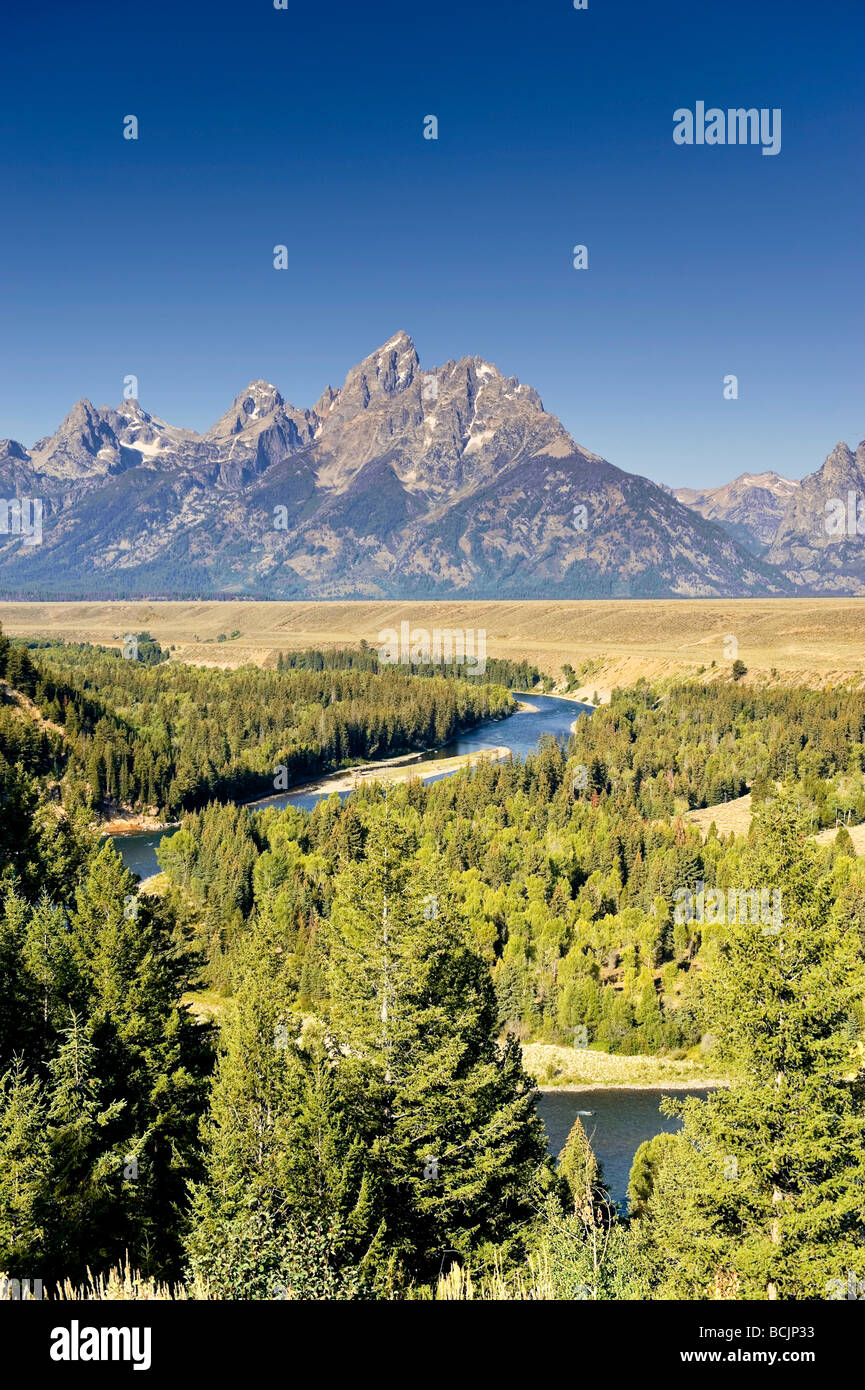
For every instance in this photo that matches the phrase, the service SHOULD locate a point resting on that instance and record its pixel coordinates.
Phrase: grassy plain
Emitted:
(813, 642)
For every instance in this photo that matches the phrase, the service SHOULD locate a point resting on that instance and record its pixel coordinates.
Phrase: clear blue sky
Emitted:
(304, 127)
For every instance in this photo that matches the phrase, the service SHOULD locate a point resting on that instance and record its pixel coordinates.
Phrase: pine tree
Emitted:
(19, 671)
(80, 1204)
(49, 958)
(95, 775)
(448, 1115)
(643, 1170)
(17, 993)
(581, 1172)
(648, 1015)
(23, 1170)
(282, 1168)
(763, 1192)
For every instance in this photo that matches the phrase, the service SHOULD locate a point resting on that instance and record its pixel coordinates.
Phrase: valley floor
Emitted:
(801, 642)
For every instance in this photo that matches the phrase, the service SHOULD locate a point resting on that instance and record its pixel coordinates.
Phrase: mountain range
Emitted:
(402, 483)
(751, 507)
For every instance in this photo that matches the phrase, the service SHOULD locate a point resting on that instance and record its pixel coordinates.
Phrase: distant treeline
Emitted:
(147, 649)
(517, 675)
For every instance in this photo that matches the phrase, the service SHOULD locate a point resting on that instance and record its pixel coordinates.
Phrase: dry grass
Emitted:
(121, 1284)
(125, 1285)
(205, 1005)
(533, 1284)
(734, 817)
(156, 885)
(730, 817)
(857, 835)
(563, 1067)
(814, 642)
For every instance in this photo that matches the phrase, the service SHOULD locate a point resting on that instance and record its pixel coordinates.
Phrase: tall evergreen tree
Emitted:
(80, 1205)
(23, 1171)
(581, 1172)
(283, 1172)
(448, 1115)
(762, 1195)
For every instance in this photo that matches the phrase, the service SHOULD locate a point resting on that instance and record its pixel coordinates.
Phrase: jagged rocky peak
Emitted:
(746, 484)
(132, 411)
(506, 394)
(840, 469)
(810, 546)
(257, 403)
(393, 365)
(772, 481)
(378, 412)
(840, 462)
(85, 443)
(82, 420)
(750, 507)
(474, 411)
(139, 430)
(439, 428)
(325, 401)
(10, 448)
(385, 373)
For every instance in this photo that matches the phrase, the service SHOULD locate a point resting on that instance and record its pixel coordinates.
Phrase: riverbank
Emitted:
(524, 706)
(491, 739)
(708, 1083)
(133, 823)
(556, 1068)
(392, 770)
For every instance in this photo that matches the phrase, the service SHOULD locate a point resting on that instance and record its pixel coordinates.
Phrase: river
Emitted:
(519, 734)
(620, 1119)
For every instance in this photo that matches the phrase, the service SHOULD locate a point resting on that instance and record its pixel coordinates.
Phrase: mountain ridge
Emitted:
(403, 482)
(750, 507)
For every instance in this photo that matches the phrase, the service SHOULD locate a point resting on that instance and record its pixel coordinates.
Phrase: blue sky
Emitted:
(305, 127)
